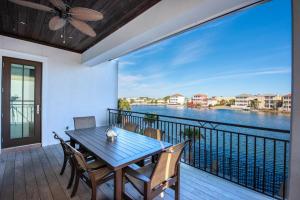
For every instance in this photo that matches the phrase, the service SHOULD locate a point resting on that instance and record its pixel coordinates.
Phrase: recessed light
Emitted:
(70, 37)
(23, 23)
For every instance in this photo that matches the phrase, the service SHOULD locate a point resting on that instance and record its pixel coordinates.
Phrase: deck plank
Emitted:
(83, 192)
(62, 179)
(7, 188)
(43, 187)
(34, 174)
(32, 191)
(19, 179)
(3, 157)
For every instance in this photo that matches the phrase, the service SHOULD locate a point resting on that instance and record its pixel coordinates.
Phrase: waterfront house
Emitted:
(272, 101)
(176, 99)
(212, 101)
(74, 70)
(287, 103)
(200, 100)
(243, 101)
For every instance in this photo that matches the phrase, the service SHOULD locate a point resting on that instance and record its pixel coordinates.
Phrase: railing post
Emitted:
(109, 117)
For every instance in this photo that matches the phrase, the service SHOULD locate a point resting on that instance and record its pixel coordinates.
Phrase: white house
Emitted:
(176, 99)
(200, 99)
(242, 101)
(287, 102)
(212, 101)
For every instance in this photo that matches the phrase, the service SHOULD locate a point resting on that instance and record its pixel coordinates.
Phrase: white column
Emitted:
(294, 168)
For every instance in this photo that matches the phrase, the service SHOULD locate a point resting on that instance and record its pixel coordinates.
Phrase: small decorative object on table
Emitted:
(111, 134)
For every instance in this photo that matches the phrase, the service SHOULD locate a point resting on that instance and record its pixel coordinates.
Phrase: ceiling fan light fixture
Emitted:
(65, 14)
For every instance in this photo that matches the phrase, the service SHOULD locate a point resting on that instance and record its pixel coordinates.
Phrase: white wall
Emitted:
(69, 88)
(294, 169)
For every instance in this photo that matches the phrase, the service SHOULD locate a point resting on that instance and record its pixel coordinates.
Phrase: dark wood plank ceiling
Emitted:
(32, 25)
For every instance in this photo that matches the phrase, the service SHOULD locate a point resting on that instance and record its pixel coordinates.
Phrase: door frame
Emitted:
(5, 142)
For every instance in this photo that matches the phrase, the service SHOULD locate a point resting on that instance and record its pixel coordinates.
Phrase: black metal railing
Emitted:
(254, 157)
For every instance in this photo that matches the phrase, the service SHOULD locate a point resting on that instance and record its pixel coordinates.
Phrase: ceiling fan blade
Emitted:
(83, 27)
(56, 23)
(86, 14)
(32, 5)
(58, 4)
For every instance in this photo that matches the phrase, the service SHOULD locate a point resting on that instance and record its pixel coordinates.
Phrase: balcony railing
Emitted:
(253, 157)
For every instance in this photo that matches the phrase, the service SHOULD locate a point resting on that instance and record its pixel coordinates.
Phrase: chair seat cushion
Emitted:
(146, 171)
(101, 173)
(95, 164)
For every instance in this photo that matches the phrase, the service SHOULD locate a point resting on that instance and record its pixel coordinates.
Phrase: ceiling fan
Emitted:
(65, 14)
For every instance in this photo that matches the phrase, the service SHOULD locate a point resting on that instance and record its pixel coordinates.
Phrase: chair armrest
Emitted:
(131, 172)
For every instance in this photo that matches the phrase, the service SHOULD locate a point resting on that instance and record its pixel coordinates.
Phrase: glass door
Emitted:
(21, 82)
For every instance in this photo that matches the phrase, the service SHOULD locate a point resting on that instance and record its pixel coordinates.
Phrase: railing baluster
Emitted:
(194, 154)
(238, 160)
(217, 152)
(284, 170)
(274, 166)
(264, 165)
(205, 153)
(230, 161)
(246, 171)
(253, 162)
(210, 150)
(224, 154)
(254, 184)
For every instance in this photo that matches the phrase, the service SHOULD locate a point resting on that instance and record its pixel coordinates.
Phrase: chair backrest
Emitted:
(153, 133)
(79, 158)
(131, 127)
(62, 143)
(84, 122)
(167, 164)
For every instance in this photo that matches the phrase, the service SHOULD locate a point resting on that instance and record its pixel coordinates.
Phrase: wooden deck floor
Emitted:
(34, 174)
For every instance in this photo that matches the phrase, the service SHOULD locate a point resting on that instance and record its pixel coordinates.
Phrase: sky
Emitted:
(245, 52)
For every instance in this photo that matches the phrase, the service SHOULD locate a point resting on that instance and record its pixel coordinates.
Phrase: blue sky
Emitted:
(245, 52)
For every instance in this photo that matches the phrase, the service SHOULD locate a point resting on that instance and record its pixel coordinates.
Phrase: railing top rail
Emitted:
(208, 121)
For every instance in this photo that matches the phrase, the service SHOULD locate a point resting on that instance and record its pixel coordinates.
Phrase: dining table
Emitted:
(127, 148)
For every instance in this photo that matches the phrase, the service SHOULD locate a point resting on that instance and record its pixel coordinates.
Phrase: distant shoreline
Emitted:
(274, 112)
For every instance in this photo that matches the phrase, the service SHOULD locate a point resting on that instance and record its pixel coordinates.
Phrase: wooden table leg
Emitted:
(118, 186)
(72, 143)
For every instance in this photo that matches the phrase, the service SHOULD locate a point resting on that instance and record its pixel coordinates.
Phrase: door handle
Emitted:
(37, 109)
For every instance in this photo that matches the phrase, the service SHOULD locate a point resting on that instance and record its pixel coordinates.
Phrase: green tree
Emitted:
(254, 104)
(231, 101)
(150, 118)
(123, 104)
(166, 99)
(222, 102)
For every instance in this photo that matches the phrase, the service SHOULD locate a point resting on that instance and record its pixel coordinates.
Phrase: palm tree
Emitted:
(123, 105)
(190, 134)
(150, 118)
(254, 104)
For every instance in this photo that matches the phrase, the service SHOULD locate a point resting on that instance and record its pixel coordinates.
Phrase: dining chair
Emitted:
(67, 153)
(153, 133)
(92, 173)
(84, 122)
(68, 158)
(153, 179)
(131, 127)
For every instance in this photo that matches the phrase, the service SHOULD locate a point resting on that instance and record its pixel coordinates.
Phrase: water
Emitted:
(267, 120)
(232, 160)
